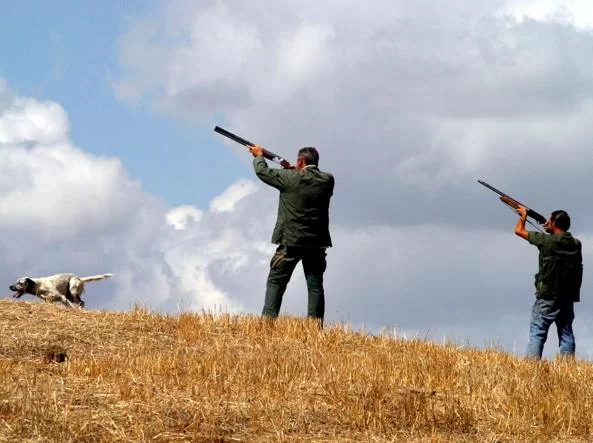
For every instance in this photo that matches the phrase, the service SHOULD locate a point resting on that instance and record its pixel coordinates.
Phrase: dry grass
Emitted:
(138, 376)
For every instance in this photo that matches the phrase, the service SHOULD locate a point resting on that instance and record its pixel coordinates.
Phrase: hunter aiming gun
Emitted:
(267, 154)
(514, 204)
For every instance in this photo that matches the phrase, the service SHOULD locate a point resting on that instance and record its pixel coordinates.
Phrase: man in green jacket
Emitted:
(302, 227)
(557, 283)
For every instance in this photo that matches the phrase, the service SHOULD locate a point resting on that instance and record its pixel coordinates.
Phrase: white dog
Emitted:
(65, 288)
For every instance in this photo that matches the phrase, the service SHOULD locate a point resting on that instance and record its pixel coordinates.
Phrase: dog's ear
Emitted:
(29, 284)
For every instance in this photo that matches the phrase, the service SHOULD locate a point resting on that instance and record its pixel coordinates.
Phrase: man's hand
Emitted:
(522, 211)
(256, 151)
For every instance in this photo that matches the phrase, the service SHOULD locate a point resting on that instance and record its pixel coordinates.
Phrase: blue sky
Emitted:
(67, 51)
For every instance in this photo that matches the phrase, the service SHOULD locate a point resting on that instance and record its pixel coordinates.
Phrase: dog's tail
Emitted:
(95, 278)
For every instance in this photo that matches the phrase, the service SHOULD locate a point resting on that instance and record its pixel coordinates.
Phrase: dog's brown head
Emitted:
(23, 286)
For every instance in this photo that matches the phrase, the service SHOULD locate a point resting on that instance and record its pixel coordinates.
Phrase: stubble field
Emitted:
(139, 376)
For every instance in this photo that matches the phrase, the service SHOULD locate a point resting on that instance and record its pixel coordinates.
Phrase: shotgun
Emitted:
(267, 154)
(514, 204)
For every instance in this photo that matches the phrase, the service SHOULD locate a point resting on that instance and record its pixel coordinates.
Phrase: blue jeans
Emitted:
(543, 314)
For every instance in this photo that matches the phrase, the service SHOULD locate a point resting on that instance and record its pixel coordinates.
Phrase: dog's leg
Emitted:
(45, 298)
(76, 288)
(66, 302)
(56, 296)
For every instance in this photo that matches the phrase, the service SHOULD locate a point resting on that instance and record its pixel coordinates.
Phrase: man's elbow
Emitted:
(261, 174)
(522, 233)
(258, 169)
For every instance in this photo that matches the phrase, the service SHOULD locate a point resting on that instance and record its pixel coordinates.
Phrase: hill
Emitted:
(75, 375)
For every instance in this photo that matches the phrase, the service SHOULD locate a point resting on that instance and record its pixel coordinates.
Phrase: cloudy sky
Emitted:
(108, 162)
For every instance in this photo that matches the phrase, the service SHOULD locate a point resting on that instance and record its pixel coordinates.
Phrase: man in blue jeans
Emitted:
(557, 283)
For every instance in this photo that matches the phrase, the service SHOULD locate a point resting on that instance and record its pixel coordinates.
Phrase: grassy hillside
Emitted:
(138, 376)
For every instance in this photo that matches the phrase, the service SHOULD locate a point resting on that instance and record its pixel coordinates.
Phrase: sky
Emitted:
(108, 161)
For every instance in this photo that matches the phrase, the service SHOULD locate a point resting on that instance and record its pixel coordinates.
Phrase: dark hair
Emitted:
(309, 155)
(561, 219)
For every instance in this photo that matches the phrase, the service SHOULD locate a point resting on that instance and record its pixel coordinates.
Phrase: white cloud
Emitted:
(28, 120)
(183, 215)
(432, 90)
(61, 190)
(304, 52)
(64, 210)
(577, 12)
(227, 201)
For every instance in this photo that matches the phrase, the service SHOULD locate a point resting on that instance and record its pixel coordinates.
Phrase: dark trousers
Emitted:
(281, 267)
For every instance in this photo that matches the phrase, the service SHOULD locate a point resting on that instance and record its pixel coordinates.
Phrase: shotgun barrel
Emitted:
(267, 154)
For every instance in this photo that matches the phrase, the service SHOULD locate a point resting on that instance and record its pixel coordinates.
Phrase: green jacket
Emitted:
(560, 270)
(303, 210)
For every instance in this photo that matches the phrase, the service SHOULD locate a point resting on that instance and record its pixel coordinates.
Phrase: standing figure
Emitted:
(302, 227)
(557, 283)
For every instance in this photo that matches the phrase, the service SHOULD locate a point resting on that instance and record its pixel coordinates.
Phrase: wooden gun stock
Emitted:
(508, 200)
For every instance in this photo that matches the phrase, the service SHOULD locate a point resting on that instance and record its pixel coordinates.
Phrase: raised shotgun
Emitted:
(267, 154)
(510, 201)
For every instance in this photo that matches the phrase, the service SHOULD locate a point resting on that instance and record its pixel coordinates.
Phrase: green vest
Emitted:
(560, 272)
(303, 208)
